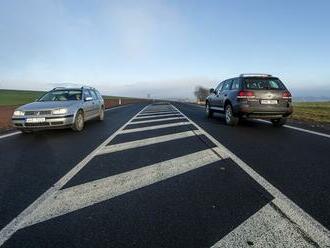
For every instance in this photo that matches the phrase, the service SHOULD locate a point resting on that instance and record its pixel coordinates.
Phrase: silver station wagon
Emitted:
(60, 108)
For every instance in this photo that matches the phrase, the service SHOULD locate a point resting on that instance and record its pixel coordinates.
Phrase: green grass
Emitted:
(312, 112)
(19, 97)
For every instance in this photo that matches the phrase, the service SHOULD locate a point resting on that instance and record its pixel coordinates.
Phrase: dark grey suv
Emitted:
(259, 96)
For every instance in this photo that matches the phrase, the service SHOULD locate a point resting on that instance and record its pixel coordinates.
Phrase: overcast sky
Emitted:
(164, 48)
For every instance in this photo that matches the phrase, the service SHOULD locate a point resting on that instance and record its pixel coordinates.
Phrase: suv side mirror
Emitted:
(212, 91)
(88, 98)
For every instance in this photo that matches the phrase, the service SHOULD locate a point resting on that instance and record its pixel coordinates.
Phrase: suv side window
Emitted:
(226, 85)
(235, 84)
(218, 88)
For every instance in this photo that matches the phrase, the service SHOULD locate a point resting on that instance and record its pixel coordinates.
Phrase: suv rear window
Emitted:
(263, 84)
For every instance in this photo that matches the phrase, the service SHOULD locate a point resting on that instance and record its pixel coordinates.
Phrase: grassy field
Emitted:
(312, 112)
(19, 97)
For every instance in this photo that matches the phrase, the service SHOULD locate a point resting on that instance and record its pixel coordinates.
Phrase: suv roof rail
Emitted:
(255, 75)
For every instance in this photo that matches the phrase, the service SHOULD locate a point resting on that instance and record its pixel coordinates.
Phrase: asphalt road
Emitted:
(165, 176)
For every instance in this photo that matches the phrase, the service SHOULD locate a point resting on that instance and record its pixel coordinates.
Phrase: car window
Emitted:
(98, 94)
(226, 85)
(263, 84)
(93, 94)
(219, 87)
(235, 84)
(61, 95)
(87, 94)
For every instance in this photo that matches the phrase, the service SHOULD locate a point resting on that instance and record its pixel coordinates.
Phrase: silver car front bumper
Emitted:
(50, 122)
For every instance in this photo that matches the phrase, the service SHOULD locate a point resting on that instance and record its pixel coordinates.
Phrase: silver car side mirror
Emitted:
(88, 98)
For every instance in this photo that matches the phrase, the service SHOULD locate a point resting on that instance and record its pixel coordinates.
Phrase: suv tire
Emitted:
(208, 110)
(79, 122)
(231, 120)
(278, 122)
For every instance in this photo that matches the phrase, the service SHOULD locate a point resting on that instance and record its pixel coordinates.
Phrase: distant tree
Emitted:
(201, 93)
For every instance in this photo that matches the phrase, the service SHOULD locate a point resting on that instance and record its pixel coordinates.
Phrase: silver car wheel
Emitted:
(80, 121)
(101, 118)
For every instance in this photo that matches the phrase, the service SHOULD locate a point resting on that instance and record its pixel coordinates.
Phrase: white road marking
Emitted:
(16, 223)
(116, 107)
(307, 131)
(55, 201)
(154, 116)
(145, 142)
(9, 134)
(158, 113)
(265, 229)
(156, 120)
(299, 129)
(133, 130)
(157, 110)
(77, 197)
(306, 223)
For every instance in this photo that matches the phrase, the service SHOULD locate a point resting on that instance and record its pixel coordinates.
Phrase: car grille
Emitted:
(41, 124)
(41, 112)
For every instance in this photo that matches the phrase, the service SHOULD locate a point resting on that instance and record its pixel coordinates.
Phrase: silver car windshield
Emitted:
(61, 95)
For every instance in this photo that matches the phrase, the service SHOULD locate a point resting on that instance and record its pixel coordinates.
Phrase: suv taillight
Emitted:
(245, 94)
(286, 95)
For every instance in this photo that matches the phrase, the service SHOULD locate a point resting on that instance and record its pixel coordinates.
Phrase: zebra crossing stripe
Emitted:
(80, 196)
(133, 130)
(156, 120)
(153, 116)
(145, 142)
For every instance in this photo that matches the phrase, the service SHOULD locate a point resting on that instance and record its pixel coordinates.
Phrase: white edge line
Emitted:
(308, 224)
(9, 134)
(287, 126)
(17, 222)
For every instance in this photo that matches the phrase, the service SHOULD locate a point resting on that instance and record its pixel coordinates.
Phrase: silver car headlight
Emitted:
(60, 111)
(18, 113)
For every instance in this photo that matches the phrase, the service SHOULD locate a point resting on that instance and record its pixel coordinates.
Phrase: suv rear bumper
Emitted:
(262, 111)
(51, 122)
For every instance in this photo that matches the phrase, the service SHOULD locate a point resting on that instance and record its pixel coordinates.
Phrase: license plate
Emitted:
(268, 101)
(35, 120)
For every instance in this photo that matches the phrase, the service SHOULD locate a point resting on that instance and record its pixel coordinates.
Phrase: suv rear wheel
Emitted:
(278, 122)
(79, 122)
(231, 120)
(208, 111)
